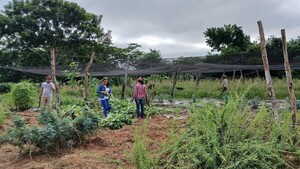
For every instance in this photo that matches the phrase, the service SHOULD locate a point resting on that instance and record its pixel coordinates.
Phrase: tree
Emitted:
(28, 29)
(150, 59)
(229, 36)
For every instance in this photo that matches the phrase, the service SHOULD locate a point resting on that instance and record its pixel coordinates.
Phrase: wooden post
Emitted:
(233, 76)
(241, 73)
(125, 79)
(257, 73)
(289, 79)
(53, 71)
(87, 75)
(176, 77)
(267, 71)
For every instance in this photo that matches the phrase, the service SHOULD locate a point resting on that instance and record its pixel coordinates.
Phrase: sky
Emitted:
(175, 27)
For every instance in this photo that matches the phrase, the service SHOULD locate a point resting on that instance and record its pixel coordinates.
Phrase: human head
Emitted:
(48, 78)
(140, 80)
(105, 81)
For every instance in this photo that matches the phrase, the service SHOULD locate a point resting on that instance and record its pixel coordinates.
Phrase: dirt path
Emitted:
(109, 149)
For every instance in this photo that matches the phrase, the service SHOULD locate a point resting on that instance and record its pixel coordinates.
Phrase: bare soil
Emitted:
(108, 149)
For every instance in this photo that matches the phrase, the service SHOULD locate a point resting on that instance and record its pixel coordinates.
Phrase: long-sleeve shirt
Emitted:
(140, 91)
(102, 88)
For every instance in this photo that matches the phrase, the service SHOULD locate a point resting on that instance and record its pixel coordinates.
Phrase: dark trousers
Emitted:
(106, 106)
(140, 107)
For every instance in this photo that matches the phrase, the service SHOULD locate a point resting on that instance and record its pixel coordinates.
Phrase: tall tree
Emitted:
(228, 38)
(150, 59)
(29, 28)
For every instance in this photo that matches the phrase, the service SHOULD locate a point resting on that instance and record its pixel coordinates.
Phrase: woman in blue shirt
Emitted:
(104, 92)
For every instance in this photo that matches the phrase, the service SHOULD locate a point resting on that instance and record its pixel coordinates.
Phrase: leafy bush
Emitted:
(229, 138)
(122, 107)
(116, 121)
(5, 87)
(52, 133)
(23, 95)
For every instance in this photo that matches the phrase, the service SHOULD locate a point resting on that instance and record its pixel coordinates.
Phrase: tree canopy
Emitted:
(228, 37)
(28, 29)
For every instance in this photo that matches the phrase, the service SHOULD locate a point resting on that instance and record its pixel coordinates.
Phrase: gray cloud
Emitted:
(176, 26)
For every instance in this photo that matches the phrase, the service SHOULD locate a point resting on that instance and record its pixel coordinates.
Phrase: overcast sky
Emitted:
(175, 27)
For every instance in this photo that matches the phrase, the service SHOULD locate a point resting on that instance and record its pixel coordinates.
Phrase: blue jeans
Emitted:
(106, 106)
(140, 107)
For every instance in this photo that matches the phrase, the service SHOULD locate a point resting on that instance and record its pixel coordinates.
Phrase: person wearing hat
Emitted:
(140, 95)
(46, 91)
(104, 92)
(224, 83)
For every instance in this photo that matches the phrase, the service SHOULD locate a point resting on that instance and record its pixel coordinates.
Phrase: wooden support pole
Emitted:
(241, 73)
(233, 76)
(289, 79)
(125, 78)
(257, 73)
(53, 71)
(176, 77)
(87, 75)
(267, 71)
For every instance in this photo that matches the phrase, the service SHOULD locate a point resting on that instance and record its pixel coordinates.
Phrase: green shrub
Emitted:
(5, 87)
(228, 138)
(116, 121)
(23, 95)
(52, 132)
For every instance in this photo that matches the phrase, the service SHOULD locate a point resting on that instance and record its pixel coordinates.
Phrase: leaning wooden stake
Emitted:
(267, 71)
(289, 79)
(233, 76)
(175, 81)
(198, 78)
(87, 75)
(53, 71)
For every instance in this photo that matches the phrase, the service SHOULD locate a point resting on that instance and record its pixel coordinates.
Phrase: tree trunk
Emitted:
(125, 79)
(53, 71)
(267, 71)
(289, 79)
(87, 75)
(176, 77)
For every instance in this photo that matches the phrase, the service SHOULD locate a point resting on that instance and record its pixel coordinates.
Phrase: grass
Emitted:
(210, 88)
(225, 137)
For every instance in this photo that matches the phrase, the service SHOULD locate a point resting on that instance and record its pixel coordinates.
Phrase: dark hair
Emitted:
(141, 81)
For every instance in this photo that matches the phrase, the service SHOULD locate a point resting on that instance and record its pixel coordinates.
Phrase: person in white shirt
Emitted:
(46, 91)
(224, 83)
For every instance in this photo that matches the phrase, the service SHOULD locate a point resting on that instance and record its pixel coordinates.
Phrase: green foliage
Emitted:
(52, 132)
(5, 87)
(116, 121)
(229, 36)
(140, 155)
(72, 73)
(23, 95)
(40, 23)
(229, 137)
(122, 107)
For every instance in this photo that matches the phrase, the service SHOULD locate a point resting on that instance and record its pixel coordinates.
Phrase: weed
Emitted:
(140, 155)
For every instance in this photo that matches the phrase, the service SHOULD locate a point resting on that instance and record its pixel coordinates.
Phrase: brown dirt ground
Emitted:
(108, 149)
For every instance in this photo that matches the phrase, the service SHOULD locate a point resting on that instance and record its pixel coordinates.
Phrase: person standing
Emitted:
(104, 91)
(140, 95)
(224, 83)
(46, 91)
